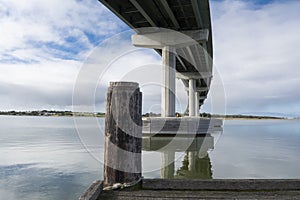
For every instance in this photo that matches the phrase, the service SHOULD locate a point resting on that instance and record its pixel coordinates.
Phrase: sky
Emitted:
(45, 45)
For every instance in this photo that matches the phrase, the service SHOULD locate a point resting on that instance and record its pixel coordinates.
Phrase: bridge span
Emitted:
(192, 63)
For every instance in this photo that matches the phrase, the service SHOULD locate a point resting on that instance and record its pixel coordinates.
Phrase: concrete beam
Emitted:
(202, 97)
(143, 12)
(201, 34)
(202, 89)
(181, 62)
(193, 75)
(170, 13)
(192, 57)
(199, 89)
(158, 40)
(197, 13)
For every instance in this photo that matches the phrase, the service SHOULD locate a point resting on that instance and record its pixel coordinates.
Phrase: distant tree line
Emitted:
(209, 115)
(101, 114)
(51, 113)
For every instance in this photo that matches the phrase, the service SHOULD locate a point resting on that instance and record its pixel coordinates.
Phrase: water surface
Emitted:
(44, 158)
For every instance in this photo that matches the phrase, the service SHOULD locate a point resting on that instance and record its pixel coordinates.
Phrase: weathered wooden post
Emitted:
(123, 134)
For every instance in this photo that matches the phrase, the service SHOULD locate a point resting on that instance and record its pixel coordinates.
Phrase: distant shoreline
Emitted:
(258, 118)
(47, 113)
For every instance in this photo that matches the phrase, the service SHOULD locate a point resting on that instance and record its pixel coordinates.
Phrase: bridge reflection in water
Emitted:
(196, 162)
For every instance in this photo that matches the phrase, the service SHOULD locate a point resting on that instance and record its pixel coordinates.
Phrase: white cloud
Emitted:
(44, 43)
(35, 86)
(257, 53)
(66, 24)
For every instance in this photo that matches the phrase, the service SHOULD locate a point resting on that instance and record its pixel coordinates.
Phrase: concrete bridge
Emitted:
(183, 39)
(181, 34)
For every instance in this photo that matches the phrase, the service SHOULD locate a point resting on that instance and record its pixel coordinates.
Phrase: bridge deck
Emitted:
(178, 15)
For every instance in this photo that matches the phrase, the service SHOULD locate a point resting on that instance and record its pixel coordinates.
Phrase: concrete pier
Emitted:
(169, 42)
(180, 126)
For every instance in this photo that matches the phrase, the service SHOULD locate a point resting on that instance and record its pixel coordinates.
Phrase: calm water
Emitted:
(44, 158)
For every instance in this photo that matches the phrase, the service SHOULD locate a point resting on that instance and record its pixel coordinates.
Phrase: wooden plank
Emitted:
(209, 189)
(222, 184)
(164, 195)
(93, 191)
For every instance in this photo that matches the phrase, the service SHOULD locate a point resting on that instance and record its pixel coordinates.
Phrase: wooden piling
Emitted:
(123, 133)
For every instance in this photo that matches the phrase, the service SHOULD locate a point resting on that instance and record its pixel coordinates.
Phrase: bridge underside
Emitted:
(181, 16)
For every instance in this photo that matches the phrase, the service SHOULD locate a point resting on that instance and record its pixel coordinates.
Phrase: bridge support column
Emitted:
(168, 41)
(197, 99)
(168, 87)
(192, 91)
